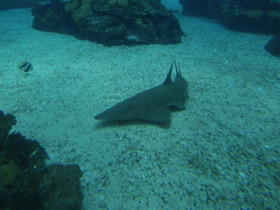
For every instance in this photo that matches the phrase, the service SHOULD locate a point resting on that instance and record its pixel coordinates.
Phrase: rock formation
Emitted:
(273, 46)
(26, 182)
(14, 4)
(258, 16)
(110, 22)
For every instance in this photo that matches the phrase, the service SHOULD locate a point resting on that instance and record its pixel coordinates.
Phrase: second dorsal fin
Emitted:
(168, 77)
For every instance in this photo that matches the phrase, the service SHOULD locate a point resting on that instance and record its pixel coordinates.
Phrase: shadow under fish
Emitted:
(153, 105)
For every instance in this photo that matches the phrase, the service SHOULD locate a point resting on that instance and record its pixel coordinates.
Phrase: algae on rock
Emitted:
(111, 22)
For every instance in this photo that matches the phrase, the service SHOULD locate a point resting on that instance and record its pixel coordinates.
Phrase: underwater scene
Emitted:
(140, 104)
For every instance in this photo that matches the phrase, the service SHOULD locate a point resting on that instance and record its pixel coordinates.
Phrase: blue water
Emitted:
(222, 152)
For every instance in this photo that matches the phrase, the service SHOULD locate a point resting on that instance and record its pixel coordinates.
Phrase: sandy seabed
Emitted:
(222, 152)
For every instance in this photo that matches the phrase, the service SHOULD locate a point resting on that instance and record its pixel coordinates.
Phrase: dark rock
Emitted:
(257, 16)
(26, 182)
(52, 17)
(261, 16)
(111, 22)
(61, 184)
(206, 8)
(273, 46)
(12, 4)
(6, 123)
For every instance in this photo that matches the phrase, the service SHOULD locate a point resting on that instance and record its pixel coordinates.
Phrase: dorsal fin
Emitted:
(168, 77)
(178, 71)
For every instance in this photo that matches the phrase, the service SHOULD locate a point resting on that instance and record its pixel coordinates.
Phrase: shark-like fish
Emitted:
(152, 105)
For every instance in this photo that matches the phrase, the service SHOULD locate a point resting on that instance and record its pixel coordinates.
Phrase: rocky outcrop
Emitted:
(207, 8)
(258, 16)
(26, 182)
(273, 46)
(110, 22)
(13, 4)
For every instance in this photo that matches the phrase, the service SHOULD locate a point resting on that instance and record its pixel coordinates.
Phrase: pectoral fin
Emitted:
(155, 114)
(179, 105)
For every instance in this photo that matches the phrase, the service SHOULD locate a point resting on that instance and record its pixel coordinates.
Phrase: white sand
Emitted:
(222, 152)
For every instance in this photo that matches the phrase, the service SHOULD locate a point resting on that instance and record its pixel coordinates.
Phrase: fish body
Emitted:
(152, 105)
(25, 66)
